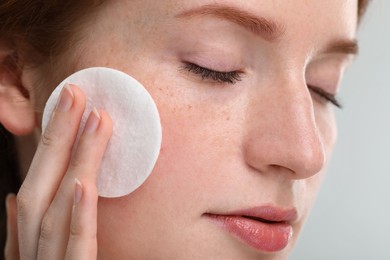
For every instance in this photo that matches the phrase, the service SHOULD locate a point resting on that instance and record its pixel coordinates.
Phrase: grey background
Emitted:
(351, 218)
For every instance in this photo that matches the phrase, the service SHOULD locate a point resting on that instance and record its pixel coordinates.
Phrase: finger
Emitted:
(83, 166)
(47, 169)
(83, 241)
(11, 250)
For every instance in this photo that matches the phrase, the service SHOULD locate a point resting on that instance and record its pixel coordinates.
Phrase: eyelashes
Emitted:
(232, 77)
(328, 97)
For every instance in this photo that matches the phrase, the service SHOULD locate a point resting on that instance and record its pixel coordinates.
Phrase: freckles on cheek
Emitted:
(185, 153)
(179, 131)
(197, 130)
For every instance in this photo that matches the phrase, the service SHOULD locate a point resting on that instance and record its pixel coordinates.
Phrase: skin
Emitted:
(265, 140)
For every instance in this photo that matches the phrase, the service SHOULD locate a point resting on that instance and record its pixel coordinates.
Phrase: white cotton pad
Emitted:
(135, 143)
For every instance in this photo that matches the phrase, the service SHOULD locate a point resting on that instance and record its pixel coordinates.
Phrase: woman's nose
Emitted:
(282, 131)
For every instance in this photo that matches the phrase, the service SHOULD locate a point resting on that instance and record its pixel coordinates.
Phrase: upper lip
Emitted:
(270, 214)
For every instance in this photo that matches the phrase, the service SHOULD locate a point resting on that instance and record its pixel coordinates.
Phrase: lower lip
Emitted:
(266, 237)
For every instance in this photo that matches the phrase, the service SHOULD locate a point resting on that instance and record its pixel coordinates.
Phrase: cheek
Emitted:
(200, 131)
(193, 141)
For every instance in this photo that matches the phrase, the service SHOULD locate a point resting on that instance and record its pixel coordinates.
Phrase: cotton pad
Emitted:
(135, 143)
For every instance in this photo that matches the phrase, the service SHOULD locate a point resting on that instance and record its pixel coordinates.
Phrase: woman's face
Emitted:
(251, 141)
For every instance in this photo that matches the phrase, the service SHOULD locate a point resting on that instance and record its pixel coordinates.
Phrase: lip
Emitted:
(266, 228)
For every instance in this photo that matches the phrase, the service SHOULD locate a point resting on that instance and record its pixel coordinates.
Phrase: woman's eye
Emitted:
(327, 97)
(230, 77)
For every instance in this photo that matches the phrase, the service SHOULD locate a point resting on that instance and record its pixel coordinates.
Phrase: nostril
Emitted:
(279, 168)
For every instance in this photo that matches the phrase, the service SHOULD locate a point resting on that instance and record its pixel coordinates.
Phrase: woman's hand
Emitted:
(56, 207)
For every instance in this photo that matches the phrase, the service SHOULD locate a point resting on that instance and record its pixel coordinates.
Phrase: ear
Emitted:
(16, 109)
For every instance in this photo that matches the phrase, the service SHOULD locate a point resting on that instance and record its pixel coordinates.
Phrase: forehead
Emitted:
(308, 25)
(318, 23)
(339, 15)
(299, 18)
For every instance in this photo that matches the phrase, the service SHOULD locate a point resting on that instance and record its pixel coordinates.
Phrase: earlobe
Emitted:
(16, 109)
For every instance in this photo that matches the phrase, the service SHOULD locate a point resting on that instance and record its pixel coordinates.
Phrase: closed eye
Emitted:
(230, 77)
(326, 96)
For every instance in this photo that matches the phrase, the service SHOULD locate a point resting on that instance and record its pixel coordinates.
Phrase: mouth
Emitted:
(262, 220)
(266, 229)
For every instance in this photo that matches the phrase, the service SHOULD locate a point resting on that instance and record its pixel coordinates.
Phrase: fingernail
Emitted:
(78, 192)
(92, 122)
(66, 99)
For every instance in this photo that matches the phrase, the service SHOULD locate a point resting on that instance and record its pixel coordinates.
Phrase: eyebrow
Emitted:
(343, 47)
(265, 28)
